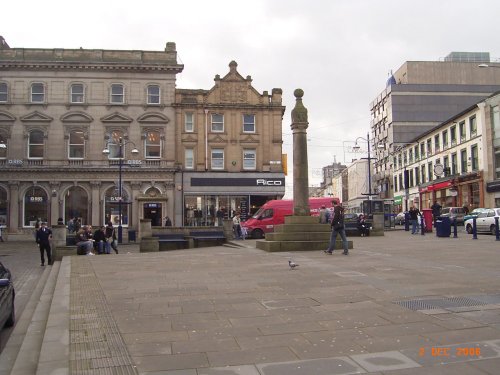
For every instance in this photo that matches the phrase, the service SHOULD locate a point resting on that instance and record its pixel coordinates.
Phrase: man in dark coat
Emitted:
(436, 210)
(43, 237)
(337, 228)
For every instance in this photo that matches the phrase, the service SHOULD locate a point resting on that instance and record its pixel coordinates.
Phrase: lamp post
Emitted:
(355, 148)
(121, 143)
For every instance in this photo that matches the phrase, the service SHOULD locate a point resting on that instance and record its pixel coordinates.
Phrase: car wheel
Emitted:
(12, 317)
(493, 230)
(257, 234)
(469, 228)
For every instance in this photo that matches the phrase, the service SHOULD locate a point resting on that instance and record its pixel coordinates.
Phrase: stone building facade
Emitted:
(230, 149)
(61, 108)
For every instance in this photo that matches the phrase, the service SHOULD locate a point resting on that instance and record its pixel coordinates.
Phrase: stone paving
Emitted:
(398, 304)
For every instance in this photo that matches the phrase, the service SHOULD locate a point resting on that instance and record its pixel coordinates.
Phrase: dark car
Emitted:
(7, 295)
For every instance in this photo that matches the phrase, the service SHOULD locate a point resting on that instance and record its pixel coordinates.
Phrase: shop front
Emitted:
(209, 198)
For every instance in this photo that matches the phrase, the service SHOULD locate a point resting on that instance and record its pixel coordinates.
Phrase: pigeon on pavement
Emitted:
(292, 264)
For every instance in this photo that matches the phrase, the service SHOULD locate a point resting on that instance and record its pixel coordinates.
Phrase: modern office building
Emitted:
(419, 96)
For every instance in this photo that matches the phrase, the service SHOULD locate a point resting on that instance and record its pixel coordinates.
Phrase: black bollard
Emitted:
(422, 225)
(474, 229)
(455, 228)
(497, 230)
(407, 221)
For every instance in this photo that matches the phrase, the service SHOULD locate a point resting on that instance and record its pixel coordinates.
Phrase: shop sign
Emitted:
(493, 186)
(398, 199)
(271, 182)
(15, 162)
(35, 199)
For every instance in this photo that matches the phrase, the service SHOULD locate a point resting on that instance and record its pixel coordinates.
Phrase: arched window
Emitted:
(152, 145)
(36, 205)
(112, 207)
(3, 207)
(76, 145)
(35, 144)
(76, 205)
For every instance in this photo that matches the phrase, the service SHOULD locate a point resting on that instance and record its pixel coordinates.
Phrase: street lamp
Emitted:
(488, 66)
(121, 143)
(356, 148)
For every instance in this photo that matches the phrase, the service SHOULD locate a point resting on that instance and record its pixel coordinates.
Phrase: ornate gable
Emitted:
(6, 117)
(217, 139)
(249, 139)
(233, 88)
(190, 138)
(116, 118)
(36, 117)
(76, 117)
(153, 117)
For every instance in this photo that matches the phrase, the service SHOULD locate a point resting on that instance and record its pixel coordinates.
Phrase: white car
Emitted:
(400, 218)
(485, 221)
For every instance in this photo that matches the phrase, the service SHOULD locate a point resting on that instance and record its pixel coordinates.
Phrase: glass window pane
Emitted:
(77, 93)
(217, 123)
(35, 206)
(153, 94)
(188, 122)
(3, 92)
(189, 158)
(249, 123)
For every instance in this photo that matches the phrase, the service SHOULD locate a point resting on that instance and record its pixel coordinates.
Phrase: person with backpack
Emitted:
(337, 228)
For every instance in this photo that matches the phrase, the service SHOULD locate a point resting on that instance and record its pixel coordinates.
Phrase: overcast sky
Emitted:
(338, 51)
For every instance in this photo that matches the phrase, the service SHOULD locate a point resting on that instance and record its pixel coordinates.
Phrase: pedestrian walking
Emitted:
(237, 226)
(337, 229)
(1, 235)
(413, 219)
(111, 237)
(43, 237)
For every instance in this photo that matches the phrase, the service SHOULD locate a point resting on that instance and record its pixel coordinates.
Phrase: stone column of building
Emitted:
(300, 164)
(54, 202)
(13, 217)
(94, 206)
(135, 206)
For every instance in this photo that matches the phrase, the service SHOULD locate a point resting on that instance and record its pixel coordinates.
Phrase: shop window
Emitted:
(36, 205)
(112, 206)
(249, 123)
(77, 93)
(76, 205)
(76, 145)
(217, 158)
(217, 123)
(4, 92)
(152, 145)
(153, 94)
(35, 144)
(37, 93)
(189, 122)
(117, 94)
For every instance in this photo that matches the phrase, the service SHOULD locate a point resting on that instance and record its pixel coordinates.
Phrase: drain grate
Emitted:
(445, 303)
(489, 300)
(416, 304)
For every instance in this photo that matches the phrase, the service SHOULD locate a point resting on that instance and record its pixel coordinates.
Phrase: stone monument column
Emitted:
(300, 164)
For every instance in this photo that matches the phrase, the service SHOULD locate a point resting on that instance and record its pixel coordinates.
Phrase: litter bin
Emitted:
(443, 226)
(131, 236)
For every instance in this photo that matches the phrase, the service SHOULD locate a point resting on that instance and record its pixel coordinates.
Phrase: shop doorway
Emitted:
(153, 211)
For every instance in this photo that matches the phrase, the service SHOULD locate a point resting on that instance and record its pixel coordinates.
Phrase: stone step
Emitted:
(54, 352)
(12, 347)
(275, 246)
(26, 361)
(298, 236)
(302, 228)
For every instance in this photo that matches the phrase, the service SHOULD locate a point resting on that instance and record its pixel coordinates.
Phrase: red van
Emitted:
(273, 213)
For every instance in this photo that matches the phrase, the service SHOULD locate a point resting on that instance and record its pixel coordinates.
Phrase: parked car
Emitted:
(7, 296)
(474, 213)
(454, 213)
(400, 218)
(485, 221)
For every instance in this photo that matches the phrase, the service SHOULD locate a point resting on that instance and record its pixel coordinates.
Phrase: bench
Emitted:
(171, 241)
(208, 237)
